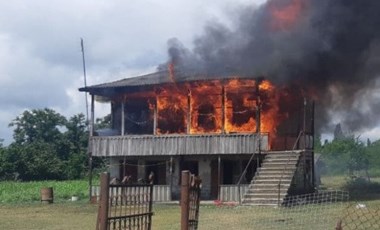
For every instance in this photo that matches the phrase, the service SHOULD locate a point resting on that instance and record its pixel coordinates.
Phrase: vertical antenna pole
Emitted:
(84, 75)
(89, 123)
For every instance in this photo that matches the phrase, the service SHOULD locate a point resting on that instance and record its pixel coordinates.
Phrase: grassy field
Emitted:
(80, 215)
(20, 209)
(26, 192)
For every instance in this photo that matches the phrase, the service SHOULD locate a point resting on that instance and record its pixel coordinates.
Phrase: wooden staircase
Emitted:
(277, 168)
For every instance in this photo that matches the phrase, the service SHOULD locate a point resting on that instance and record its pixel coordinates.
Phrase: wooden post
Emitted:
(219, 160)
(122, 119)
(155, 118)
(312, 151)
(103, 203)
(188, 130)
(92, 115)
(223, 110)
(89, 147)
(185, 186)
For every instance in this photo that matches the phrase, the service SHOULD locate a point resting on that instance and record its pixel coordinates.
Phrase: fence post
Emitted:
(185, 185)
(103, 202)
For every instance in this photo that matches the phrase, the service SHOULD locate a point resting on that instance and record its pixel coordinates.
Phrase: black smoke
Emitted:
(332, 50)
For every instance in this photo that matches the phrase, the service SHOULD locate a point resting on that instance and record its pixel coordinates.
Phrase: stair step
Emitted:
(264, 195)
(281, 159)
(277, 180)
(276, 172)
(277, 167)
(282, 156)
(274, 177)
(264, 188)
(269, 186)
(278, 163)
(282, 190)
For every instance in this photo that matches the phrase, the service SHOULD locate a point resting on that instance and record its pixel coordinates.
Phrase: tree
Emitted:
(38, 125)
(347, 153)
(103, 122)
(36, 161)
(338, 132)
(77, 136)
(6, 163)
(40, 149)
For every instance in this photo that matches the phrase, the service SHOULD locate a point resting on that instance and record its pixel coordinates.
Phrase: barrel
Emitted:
(47, 195)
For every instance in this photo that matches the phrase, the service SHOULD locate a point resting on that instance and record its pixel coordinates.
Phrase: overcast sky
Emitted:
(40, 55)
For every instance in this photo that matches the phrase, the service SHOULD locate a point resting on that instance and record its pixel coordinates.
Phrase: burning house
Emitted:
(220, 128)
(207, 111)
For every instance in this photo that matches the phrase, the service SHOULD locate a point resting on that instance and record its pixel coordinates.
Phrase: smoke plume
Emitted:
(330, 48)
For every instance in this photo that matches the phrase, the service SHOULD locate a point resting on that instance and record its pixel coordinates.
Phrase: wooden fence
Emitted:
(190, 199)
(124, 206)
(161, 193)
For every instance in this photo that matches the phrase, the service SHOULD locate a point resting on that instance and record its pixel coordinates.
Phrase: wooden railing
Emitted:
(161, 193)
(156, 145)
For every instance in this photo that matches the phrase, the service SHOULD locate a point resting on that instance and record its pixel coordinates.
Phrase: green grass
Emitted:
(24, 192)
(20, 208)
(55, 216)
(82, 215)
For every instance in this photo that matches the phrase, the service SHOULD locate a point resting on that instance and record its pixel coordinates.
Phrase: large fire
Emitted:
(285, 14)
(219, 106)
(224, 106)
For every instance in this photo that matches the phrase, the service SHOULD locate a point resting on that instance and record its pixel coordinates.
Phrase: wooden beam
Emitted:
(188, 128)
(219, 177)
(185, 185)
(223, 110)
(155, 116)
(122, 118)
(92, 115)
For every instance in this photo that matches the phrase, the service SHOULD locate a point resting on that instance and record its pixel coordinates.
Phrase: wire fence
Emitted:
(322, 210)
(358, 215)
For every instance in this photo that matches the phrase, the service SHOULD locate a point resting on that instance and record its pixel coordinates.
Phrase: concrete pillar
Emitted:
(204, 170)
(114, 167)
(141, 170)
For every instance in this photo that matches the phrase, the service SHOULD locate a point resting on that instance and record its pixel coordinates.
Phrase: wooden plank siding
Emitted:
(231, 192)
(151, 145)
(161, 193)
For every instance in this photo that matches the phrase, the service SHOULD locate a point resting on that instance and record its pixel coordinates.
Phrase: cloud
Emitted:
(40, 58)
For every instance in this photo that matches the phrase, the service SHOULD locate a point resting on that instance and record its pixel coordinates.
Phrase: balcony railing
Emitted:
(156, 145)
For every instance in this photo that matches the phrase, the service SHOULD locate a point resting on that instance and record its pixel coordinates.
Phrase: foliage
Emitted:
(361, 188)
(345, 155)
(36, 161)
(37, 125)
(104, 122)
(46, 146)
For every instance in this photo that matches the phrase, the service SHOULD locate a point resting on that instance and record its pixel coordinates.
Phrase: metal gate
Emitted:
(124, 206)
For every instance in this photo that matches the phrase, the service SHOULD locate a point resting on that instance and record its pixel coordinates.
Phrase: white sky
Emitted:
(40, 55)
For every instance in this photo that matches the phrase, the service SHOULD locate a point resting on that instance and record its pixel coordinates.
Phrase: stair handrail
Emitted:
(286, 165)
(246, 167)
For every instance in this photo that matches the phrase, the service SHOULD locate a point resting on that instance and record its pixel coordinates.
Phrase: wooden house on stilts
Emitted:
(248, 139)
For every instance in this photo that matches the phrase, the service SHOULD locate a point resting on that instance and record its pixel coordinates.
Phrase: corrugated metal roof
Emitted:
(156, 78)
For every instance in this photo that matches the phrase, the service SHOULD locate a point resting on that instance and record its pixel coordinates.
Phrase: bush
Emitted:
(361, 188)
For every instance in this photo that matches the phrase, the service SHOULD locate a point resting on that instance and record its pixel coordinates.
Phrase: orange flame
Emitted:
(285, 15)
(213, 107)
(171, 71)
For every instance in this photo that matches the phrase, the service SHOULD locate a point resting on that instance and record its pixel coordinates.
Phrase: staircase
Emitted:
(277, 168)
